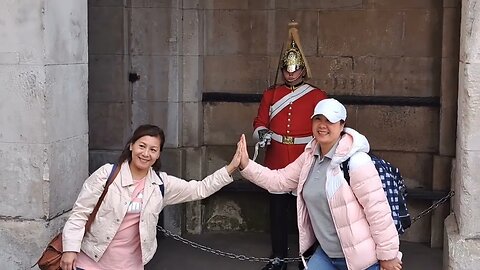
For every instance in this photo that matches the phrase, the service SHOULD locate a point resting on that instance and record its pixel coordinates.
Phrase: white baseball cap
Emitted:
(332, 109)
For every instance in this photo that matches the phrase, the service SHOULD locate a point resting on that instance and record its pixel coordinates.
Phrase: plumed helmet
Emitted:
(293, 57)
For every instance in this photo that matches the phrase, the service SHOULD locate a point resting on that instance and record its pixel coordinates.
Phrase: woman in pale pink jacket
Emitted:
(122, 236)
(352, 223)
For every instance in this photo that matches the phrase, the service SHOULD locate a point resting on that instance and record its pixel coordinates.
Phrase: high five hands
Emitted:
(240, 158)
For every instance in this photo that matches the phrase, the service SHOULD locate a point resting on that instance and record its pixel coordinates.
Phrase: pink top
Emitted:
(124, 251)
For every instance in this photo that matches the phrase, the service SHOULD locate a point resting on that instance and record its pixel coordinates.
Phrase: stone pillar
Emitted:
(43, 115)
(192, 121)
(166, 47)
(462, 230)
(448, 113)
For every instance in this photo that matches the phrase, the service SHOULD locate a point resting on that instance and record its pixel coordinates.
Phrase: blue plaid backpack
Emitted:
(394, 188)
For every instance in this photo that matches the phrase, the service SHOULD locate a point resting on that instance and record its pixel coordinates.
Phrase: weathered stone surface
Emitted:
(467, 188)
(67, 170)
(192, 34)
(389, 32)
(22, 103)
(420, 230)
(155, 32)
(238, 74)
(451, 32)
(225, 216)
(343, 75)
(408, 4)
(442, 171)
(65, 30)
(232, 4)
(194, 169)
(97, 158)
(106, 30)
(460, 253)
(153, 3)
(416, 168)
(452, 3)
(193, 214)
(407, 76)
(108, 78)
(192, 134)
(166, 115)
(45, 107)
(173, 164)
(382, 28)
(236, 212)
(319, 4)
(193, 4)
(448, 109)
(105, 3)
(470, 47)
(173, 161)
(308, 26)
(24, 240)
(22, 45)
(155, 74)
(22, 180)
(422, 36)
(233, 32)
(217, 157)
(399, 128)
(469, 107)
(104, 118)
(192, 78)
(65, 99)
(219, 129)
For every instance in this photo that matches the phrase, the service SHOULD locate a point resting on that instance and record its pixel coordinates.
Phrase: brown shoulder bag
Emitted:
(50, 259)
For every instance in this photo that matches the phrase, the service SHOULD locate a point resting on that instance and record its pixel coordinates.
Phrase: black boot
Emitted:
(275, 264)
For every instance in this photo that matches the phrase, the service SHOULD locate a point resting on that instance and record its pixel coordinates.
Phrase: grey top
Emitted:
(317, 205)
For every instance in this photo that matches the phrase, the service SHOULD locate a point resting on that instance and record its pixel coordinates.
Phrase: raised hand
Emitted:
(244, 152)
(235, 159)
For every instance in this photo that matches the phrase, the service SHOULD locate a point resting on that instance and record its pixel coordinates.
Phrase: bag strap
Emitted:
(162, 185)
(345, 168)
(111, 177)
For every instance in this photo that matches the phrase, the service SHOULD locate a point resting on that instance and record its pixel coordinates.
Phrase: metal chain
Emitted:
(223, 253)
(276, 260)
(434, 206)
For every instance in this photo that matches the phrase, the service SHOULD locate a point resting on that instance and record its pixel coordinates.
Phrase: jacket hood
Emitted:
(351, 142)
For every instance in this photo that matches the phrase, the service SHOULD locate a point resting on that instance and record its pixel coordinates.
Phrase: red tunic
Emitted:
(293, 120)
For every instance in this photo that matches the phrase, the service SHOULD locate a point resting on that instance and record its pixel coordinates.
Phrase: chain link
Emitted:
(434, 206)
(272, 260)
(223, 253)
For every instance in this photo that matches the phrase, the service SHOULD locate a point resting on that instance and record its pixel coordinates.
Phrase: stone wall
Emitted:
(461, 227)
(360, 48)
(183, 49)
(43, 114)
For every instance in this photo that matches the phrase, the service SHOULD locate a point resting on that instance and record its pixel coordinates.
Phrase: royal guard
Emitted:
(284, 116)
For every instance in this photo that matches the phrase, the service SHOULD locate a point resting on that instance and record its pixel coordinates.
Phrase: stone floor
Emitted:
(174, 255)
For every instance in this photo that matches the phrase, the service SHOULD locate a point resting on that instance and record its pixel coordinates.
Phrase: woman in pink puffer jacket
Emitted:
(351, 222)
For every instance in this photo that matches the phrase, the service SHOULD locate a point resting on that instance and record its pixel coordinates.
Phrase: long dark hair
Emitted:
(143, 130)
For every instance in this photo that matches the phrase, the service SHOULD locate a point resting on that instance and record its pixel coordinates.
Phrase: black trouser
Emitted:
(279, 219)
